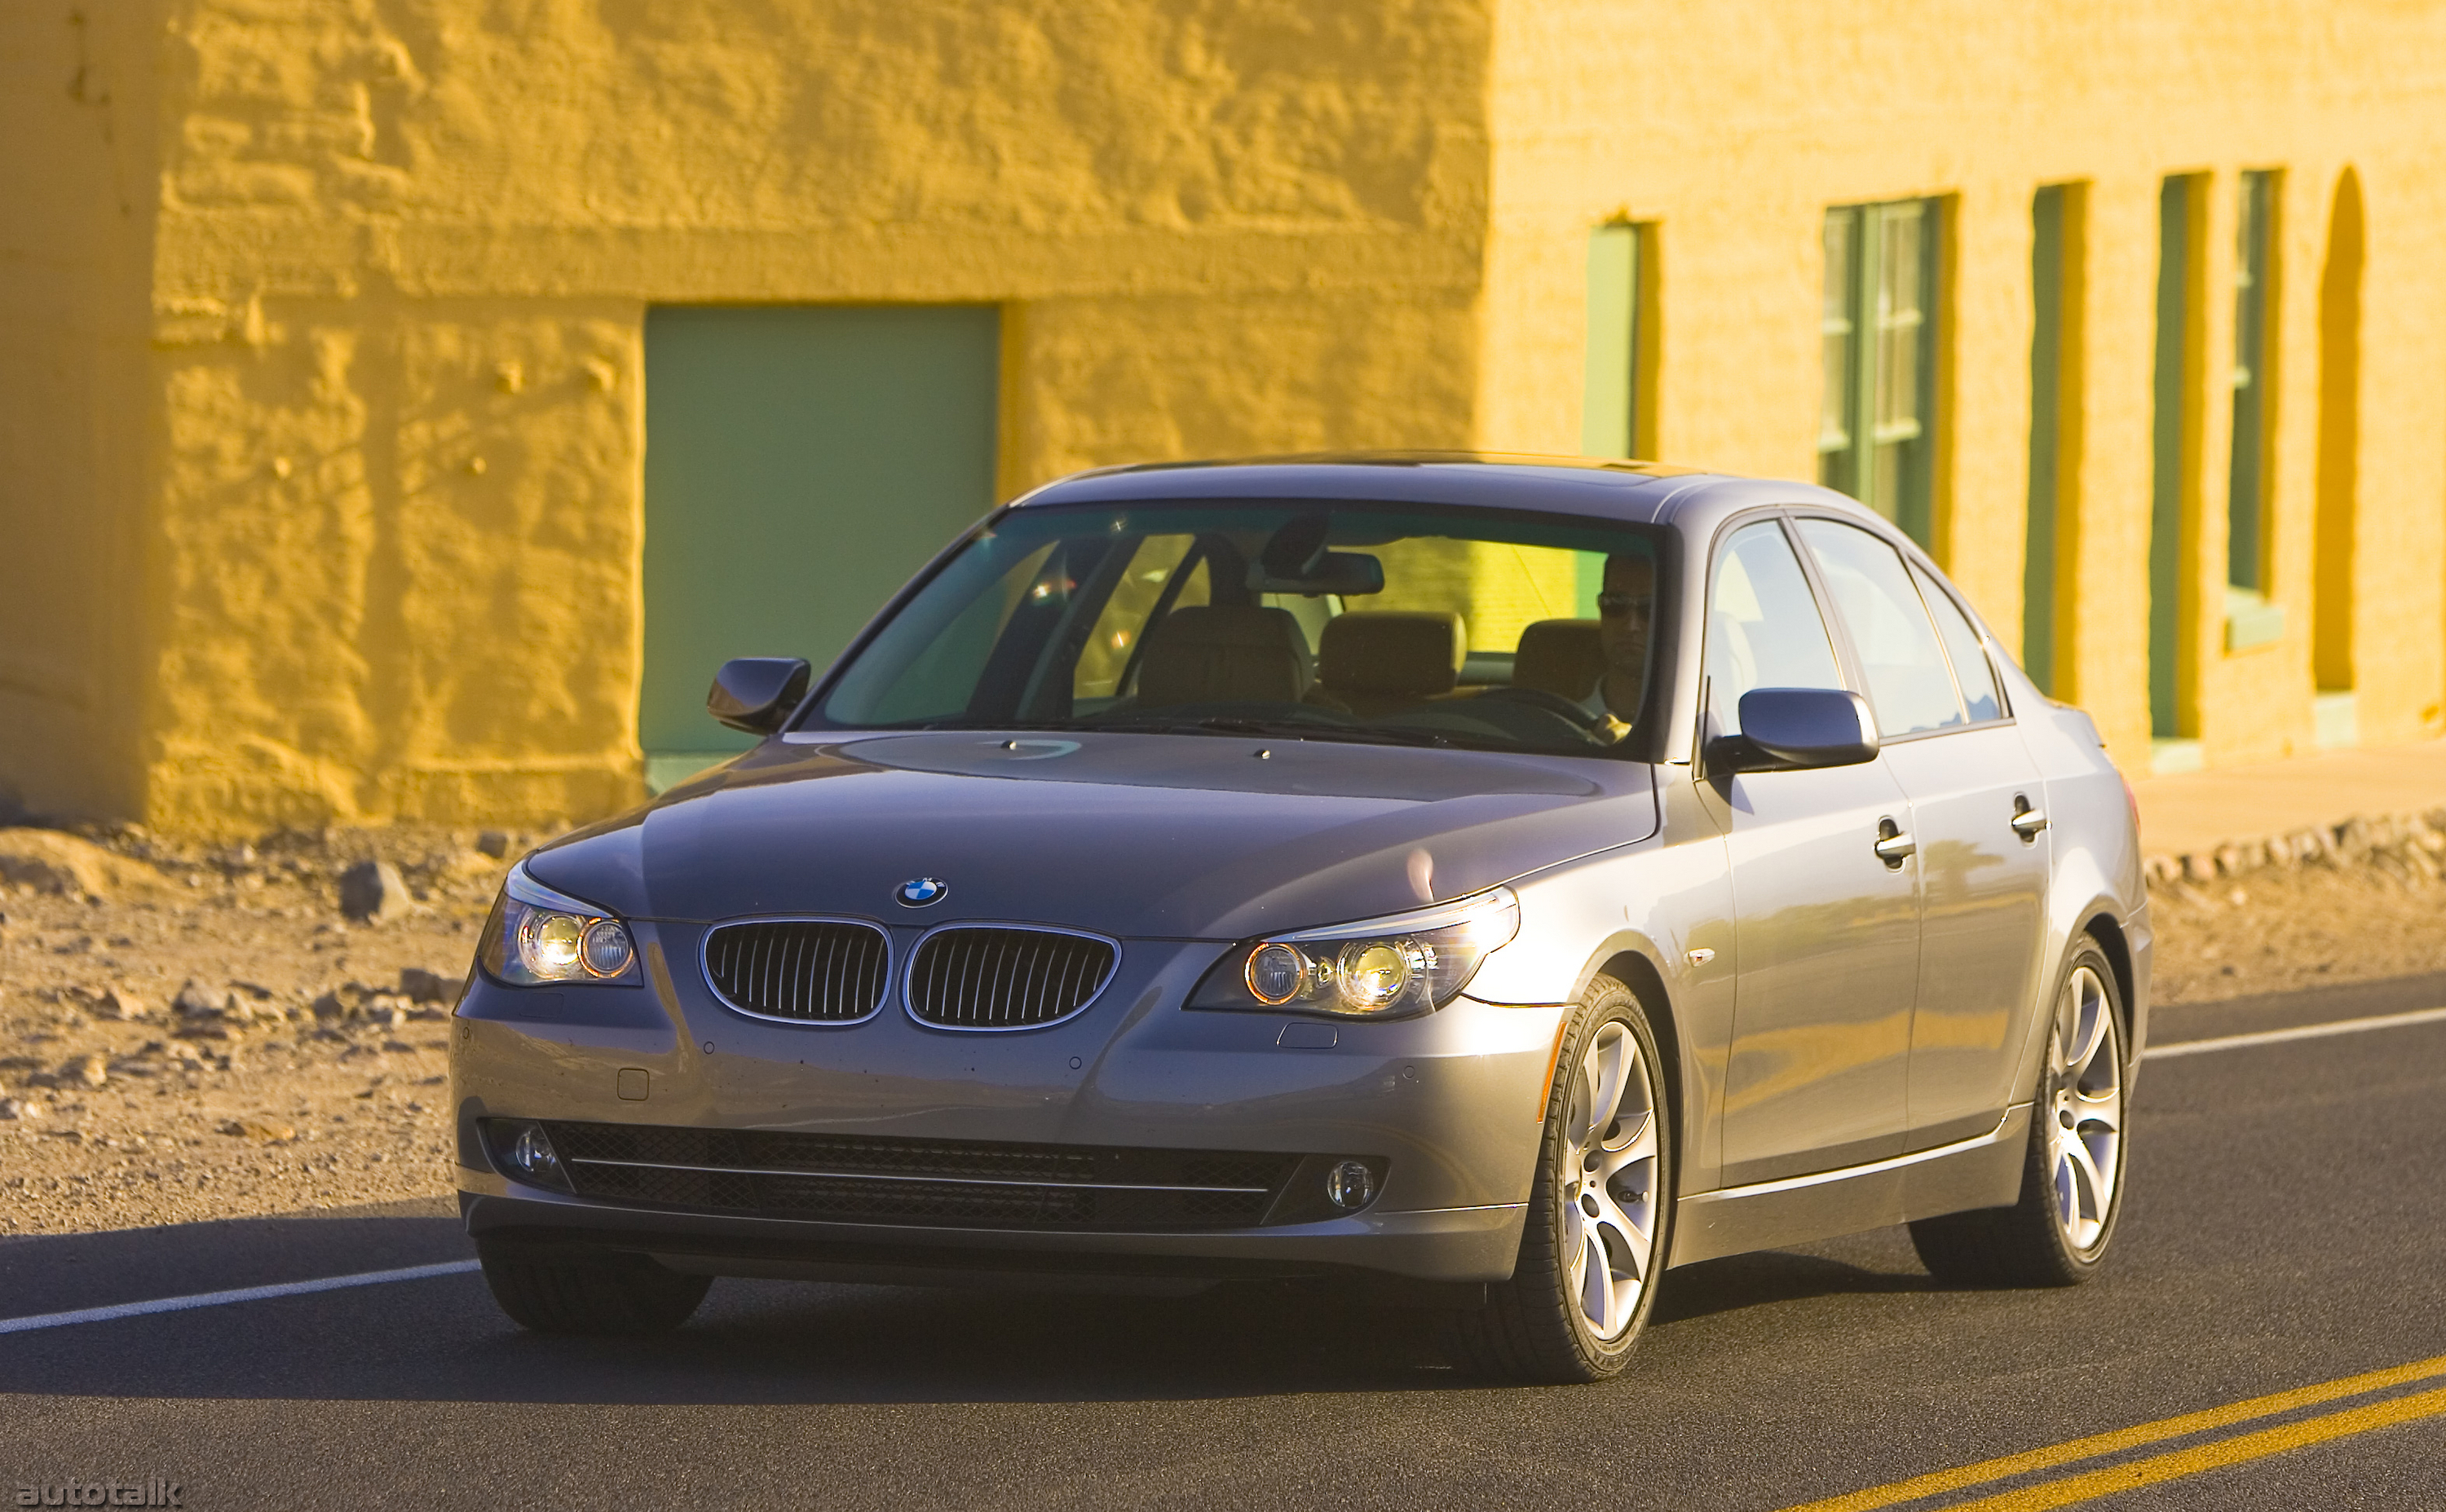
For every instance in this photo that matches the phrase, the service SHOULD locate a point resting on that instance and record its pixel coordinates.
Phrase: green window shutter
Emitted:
(1838, 342)
(2246, 486)
(2040, 563)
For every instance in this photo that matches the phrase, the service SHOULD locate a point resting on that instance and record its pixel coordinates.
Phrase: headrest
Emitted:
(1392, 652)
(1561, 657)
(1224, 653)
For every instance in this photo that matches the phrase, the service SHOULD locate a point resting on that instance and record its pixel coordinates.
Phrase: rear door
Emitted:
(1826, 937)
(1974, 794)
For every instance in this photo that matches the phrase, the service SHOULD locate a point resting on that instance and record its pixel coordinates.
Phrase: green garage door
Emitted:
(801, 461)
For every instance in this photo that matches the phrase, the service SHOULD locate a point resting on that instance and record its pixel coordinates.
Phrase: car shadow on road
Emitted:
(754, 1342)
(1746, 1281)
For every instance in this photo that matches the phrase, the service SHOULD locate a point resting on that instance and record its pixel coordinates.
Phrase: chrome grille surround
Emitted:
(1006, 977)
(783, 966)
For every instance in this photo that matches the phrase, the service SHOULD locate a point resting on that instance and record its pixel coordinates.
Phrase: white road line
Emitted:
(2278, 1036)
(243, 1293)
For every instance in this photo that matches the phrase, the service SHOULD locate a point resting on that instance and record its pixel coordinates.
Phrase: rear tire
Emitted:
(1600, 1209)
(596, 1293)
(2072, 1179)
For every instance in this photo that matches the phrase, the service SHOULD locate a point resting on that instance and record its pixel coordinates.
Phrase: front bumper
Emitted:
(1448, 1102)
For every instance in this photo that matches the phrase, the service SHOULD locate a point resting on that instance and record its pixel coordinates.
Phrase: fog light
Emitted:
(1350, 1185)
(525, 1151)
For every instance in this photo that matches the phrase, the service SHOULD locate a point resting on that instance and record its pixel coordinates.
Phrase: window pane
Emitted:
(1907, 683)
(1899, 318)
(1763, 629)
(1970, 665)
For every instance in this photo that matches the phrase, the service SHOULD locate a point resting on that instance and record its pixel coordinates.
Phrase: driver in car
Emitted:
(1625, 604)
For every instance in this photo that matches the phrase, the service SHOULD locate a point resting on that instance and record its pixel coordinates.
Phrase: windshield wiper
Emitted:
(1285, 729)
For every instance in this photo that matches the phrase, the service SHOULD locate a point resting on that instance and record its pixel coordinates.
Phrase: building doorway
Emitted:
(801, 461)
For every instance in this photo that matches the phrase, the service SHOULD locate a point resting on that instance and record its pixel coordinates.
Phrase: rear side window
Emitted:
(1908, 685)
(1763, 629)
(1970, 665)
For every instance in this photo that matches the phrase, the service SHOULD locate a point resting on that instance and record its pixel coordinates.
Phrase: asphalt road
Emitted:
(2285, 1215)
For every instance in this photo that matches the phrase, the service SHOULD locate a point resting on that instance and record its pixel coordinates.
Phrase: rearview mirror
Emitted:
(1295, 560)
(756, 693)
(1785, 728)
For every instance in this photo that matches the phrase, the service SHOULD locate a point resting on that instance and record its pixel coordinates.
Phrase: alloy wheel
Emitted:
(1610, 1181)
(2084, 1110)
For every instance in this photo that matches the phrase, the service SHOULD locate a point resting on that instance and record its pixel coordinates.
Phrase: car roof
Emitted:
(1641, 492)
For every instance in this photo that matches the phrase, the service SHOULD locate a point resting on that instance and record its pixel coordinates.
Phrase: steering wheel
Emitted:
(1550, 702)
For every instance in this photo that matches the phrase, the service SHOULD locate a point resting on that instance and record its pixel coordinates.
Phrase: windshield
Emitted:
(1391, 625)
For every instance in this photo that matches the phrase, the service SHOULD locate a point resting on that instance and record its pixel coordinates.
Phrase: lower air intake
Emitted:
(924, 1183)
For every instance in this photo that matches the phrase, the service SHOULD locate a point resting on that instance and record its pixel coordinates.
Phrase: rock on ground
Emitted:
(373, 891)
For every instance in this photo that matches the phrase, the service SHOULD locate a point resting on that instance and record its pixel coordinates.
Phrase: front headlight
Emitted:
(536, 936)
(1380, 968)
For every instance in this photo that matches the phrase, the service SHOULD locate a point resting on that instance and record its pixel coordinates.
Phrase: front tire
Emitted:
(2072, 1186)
(588, 1294)
(1600, 1208)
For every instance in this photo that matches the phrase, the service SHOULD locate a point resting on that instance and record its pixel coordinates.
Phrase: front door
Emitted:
(801, 462)
(1826, 937)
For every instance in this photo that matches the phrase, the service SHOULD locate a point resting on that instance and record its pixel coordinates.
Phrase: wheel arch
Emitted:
(2094, 921)
(2101, 926)
(1637, 971)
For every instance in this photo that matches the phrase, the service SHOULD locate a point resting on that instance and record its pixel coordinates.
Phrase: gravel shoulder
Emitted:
(308, 1068)
(215, 1040)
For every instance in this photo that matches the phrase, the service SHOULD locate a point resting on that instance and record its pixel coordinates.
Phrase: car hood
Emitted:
(1125, 834)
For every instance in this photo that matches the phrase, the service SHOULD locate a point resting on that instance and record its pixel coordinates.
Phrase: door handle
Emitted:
(2027, 821)
(1893, 846)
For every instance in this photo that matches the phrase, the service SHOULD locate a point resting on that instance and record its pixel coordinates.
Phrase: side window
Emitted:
(1763, 629)
(1970, 665)
(1908, 685)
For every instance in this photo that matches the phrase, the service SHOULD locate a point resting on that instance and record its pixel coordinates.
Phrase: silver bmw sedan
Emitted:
(1483, 883)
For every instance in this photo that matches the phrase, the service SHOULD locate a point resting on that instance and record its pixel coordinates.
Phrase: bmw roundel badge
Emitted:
(918, 891)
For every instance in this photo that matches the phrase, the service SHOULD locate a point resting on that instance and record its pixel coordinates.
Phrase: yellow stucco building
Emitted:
(403, 404)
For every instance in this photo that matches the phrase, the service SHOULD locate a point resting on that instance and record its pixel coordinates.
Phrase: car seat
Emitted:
(1377, 661)
(1225, 653)
(1561, 657)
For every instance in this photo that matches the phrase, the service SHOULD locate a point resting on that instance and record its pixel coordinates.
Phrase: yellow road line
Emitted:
(2097, 1444)
(2236, 1450)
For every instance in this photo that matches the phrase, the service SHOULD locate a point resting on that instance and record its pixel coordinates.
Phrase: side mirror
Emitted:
(756, 693)
(1785, 728)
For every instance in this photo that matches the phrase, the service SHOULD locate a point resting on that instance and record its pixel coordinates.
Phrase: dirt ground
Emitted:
(310, 1069)
(308, 1078)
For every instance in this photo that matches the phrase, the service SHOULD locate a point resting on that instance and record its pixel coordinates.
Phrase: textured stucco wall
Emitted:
(1735, 126)
(400, 254)
(321, 421)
